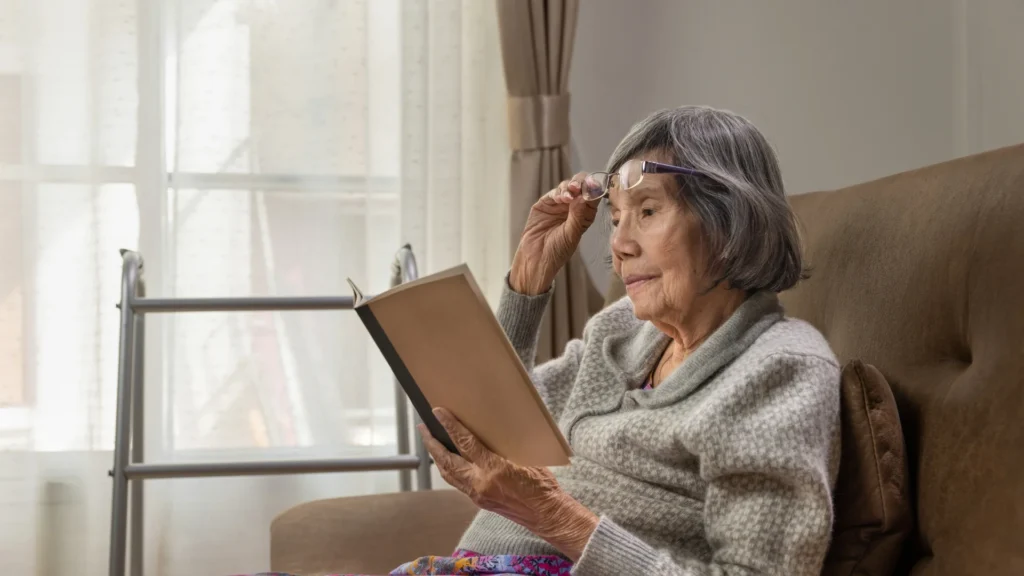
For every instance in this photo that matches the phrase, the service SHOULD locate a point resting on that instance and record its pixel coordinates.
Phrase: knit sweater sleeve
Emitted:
(769, 457)
(520, 317)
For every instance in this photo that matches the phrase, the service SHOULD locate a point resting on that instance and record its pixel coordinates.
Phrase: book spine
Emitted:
(404, 377)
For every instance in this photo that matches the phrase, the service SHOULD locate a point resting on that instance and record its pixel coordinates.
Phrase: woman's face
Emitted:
(656, 247)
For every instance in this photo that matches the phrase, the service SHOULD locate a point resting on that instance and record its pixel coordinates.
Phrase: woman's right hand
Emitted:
(553, 230)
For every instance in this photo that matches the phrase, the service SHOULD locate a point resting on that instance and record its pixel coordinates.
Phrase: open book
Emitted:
(447, 350)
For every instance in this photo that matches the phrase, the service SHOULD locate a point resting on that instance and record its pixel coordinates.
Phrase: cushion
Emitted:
(872, 501)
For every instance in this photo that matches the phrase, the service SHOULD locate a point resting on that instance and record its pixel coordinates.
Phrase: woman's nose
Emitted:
(623, 244)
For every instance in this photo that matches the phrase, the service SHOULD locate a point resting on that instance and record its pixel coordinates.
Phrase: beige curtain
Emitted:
(536, 47)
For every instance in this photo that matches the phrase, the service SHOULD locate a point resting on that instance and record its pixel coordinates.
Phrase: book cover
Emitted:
(447, 349)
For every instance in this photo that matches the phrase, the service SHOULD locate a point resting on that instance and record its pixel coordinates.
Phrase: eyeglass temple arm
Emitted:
(650, 167)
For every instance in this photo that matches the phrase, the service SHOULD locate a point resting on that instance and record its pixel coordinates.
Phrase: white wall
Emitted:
(846, 91)
(989, 108)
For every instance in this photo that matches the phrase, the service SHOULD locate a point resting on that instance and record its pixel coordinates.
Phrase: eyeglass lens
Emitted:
(595, 186)
(628, 175)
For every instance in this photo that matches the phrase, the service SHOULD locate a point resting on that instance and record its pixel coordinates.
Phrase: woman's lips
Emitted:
(637, 280)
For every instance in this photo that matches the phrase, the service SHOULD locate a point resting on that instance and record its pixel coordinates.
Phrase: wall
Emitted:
(846, 92)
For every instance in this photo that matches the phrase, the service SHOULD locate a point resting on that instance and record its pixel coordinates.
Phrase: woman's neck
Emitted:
(690, 328)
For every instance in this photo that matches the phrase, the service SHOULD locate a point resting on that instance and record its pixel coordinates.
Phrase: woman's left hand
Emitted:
(529, 496)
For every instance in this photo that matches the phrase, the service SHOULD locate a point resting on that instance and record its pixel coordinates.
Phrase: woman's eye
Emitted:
(615, 222)
(647, 211)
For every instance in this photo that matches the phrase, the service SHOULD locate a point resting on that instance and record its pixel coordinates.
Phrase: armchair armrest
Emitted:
(368, 534)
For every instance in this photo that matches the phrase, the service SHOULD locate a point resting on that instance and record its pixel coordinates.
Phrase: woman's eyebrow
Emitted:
(638, 195)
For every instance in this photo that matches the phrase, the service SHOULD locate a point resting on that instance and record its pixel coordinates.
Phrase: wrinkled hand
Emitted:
(529, 496)
(552, 233)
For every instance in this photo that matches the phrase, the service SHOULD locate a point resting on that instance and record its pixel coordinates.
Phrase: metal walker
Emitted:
(129, 440)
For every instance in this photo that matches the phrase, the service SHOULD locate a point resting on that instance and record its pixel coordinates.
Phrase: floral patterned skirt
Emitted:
(466, 562)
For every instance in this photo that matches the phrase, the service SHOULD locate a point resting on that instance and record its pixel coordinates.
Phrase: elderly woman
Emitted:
(705, 424)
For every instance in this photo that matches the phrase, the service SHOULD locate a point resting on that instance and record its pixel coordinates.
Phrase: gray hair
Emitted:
(739, 199)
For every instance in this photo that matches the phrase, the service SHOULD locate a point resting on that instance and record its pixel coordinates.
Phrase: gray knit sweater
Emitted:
(725, 468)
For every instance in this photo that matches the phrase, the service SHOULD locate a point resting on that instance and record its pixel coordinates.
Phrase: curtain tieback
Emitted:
(536, 122)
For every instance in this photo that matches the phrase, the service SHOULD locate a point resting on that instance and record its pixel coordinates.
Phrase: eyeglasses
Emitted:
(629, 175)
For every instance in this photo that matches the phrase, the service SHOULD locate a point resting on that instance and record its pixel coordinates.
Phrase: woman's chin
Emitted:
(640, 307)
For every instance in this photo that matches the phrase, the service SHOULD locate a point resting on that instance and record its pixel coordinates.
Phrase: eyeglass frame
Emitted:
(646, 167)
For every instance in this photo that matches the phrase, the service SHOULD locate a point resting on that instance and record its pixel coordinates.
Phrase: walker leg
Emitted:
(138, 445)
(119, 507)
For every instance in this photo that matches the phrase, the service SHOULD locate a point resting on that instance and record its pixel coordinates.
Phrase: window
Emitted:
(245, 147)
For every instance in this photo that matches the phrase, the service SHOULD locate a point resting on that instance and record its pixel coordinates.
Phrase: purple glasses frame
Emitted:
(648, 167)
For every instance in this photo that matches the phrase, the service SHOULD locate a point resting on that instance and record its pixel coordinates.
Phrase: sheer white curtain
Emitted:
(246, 148)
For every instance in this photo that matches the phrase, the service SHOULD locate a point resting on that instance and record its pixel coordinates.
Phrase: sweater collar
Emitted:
(638, 351)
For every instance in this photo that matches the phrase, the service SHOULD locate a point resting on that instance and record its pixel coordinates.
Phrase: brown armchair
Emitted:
(921, 275)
